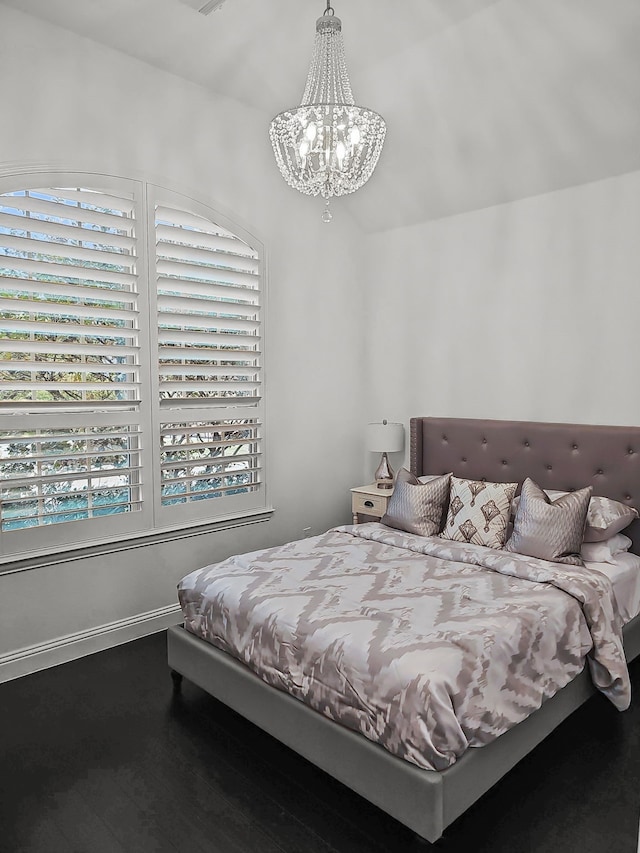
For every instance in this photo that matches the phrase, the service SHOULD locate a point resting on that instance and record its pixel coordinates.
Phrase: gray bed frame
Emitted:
(558, 456)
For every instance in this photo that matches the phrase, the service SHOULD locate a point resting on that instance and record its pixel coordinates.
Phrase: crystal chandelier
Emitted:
(327, 146)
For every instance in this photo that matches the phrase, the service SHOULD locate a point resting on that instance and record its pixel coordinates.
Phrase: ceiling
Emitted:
(486, 101)
(229, 50)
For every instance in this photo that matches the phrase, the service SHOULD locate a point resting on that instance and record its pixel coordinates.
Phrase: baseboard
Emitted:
(71, 646)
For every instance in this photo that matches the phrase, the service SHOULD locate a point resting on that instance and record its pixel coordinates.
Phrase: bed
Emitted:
(558, 456)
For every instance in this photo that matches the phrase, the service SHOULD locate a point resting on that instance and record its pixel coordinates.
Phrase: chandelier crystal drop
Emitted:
(327, 146)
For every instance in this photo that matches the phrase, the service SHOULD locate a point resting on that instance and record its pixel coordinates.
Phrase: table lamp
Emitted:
(385, 438)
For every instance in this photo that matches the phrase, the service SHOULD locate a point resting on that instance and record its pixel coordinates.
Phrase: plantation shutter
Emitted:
(69, 302)
(130, 363)
(70, 385)
(209, 362)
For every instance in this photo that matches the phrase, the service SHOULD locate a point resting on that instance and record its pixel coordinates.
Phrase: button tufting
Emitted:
(628, 498)
(548, 467)
(575, 446)
(599, 471)
(526, 444)
(631, 451)
(504, 461)
(464, 458)
(444, 437)
(484, 441)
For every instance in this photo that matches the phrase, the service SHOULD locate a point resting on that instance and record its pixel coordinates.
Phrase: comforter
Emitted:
(424, 645)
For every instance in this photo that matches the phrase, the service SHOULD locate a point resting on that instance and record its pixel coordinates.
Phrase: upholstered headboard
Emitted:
(556, 456)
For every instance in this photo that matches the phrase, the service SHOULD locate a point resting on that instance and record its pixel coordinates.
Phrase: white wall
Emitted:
(70, 102)
(526, 310)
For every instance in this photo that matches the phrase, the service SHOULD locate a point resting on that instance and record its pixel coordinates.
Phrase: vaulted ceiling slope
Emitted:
(486, 101)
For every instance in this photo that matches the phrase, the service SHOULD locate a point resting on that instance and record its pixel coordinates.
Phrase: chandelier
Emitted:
(327, 146)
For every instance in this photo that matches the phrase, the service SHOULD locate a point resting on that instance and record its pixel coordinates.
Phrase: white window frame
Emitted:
(152, 519)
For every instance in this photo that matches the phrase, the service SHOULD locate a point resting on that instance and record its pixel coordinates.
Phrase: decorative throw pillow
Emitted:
(427, 478)
(605, 517)
(417, 507)
(607, 551)
(479, 512)
(550, 530)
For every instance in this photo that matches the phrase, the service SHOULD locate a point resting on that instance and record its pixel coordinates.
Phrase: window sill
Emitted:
(68, 553)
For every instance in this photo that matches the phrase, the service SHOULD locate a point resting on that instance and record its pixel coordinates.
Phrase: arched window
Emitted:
(130, 362)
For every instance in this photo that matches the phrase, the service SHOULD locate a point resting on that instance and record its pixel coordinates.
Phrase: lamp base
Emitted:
(384, 474)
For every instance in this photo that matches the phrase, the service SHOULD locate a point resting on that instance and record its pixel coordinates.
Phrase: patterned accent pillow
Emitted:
(606, 517)
(479, 512)
(550, 530)
(417, 507)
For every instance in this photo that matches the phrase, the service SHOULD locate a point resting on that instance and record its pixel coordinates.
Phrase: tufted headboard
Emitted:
(556, 456)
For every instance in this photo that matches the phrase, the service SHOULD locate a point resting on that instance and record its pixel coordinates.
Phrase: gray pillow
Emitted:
(605, 517)
(550, 530)
(417, 507)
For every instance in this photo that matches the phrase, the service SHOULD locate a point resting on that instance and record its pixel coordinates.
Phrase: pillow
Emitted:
(479, 512)
(550, 530)
(427, 478)
(416, 507)
(607, 551)
(605, 517)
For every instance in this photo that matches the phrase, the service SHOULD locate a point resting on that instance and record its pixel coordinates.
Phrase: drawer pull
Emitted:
(369, 503)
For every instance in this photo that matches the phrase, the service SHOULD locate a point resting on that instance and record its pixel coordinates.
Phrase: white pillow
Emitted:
(605, 552)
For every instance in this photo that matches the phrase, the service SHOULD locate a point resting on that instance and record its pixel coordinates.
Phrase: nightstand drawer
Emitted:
(369, 504)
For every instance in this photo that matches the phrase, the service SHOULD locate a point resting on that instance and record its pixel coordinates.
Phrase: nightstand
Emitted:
(369, 500)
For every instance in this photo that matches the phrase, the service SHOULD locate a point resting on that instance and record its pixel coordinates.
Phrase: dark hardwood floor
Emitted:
(99, 756)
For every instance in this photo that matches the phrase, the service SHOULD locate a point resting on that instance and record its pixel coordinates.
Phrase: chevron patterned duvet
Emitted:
(424, 645)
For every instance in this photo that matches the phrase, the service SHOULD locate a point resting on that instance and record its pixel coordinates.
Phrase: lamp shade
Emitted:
(385, 437)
